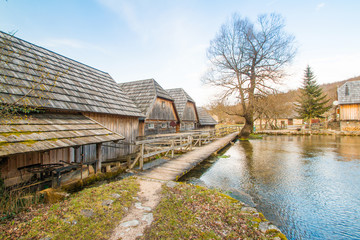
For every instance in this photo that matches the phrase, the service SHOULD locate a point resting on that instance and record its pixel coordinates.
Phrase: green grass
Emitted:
(192, 212)
(64, 220)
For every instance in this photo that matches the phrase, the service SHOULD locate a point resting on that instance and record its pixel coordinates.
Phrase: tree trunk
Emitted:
(248, 127)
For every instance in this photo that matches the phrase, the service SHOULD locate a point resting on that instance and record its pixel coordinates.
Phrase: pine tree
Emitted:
(313, 103)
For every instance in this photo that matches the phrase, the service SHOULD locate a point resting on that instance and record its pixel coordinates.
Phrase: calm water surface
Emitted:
(309, 186)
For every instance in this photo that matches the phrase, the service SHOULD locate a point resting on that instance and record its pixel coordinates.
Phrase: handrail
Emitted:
(168, 143)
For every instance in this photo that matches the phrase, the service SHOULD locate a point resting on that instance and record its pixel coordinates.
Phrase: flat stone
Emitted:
(148, 217)
(276, 238)
(139, 206)
(46, 238)
(273, 227)
(264, 226)
(107, 202)
(132, 223)
(116, 196)
(87, 212)
(171, 184)
(249, 209)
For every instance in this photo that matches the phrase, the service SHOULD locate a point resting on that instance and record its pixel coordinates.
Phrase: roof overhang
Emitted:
(43, 132)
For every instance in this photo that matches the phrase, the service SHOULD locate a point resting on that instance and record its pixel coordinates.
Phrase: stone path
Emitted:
(140, 216)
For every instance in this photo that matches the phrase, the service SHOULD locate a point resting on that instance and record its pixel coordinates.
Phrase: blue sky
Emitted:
(167, 40)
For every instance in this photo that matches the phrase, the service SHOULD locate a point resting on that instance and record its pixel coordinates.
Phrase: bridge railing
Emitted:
(169, 144)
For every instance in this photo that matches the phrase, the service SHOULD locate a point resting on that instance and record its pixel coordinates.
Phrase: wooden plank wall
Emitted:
(190, 113)
(9, 165)
(350, 112)
(163, 110)
(126, 126)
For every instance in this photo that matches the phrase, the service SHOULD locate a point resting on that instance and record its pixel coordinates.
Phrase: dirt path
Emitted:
(140, 215)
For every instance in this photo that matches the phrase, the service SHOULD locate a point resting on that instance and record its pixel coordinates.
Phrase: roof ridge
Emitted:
(52, 52)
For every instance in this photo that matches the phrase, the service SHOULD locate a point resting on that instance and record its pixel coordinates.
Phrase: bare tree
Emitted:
(273, 107)
(38, 84)
(247, 60)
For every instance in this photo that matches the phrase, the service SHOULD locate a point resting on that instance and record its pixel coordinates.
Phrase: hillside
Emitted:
(329, 88)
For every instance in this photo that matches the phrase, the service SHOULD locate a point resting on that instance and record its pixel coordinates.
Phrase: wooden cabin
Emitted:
(349, 105)
(156, 104)
(73, 113)
(186, 109)
(206, 121)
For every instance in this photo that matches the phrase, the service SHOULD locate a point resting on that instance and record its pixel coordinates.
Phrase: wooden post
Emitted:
(128, 160)
(180, 143)
(99, 156)
(172, 148)
(190, 142)
(142, 157)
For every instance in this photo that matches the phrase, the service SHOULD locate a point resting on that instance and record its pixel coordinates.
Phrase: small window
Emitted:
(151, 126)
(163, 104)
(346, 90)
(164, 125)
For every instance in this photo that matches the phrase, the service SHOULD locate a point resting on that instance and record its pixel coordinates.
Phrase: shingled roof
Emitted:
(40, 132)
(144, 93)
(53, 81)
(205, 119)
(349, 93)
(181, 98)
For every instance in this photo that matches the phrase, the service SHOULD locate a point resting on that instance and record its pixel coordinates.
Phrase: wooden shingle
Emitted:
(205, 118)
(349, 93)
(181, 98)
(144, 93)
(41, 132)
(53, 81)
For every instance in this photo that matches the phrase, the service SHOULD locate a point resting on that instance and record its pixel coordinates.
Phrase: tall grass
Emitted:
(13, 202)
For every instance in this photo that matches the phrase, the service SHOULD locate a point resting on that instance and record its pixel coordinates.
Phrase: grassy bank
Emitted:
(89, 214)
(193, 212)
(185, 212)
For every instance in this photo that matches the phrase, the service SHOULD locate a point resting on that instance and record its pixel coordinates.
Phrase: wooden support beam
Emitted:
(128, 161)
(99, 156)
(142, 157)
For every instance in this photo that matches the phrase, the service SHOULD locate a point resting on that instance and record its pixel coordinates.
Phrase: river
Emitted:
(309, 186)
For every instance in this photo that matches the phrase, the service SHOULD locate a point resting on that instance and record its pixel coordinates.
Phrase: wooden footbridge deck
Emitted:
(177, 167)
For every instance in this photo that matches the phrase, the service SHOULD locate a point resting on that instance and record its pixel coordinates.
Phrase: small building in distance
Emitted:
(288, 121)
(186, 109)
(206, 121)
(156, 104)
(349, 105)
(73, 113)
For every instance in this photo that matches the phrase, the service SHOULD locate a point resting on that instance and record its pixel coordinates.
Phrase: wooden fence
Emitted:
(168, 144)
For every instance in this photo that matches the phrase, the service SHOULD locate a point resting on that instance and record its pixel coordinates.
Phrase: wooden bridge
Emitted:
(167, 145)
(177, 167)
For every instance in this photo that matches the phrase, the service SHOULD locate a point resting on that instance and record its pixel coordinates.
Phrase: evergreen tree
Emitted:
(313, 103)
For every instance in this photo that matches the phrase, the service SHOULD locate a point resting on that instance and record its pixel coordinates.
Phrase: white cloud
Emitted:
(320, 5)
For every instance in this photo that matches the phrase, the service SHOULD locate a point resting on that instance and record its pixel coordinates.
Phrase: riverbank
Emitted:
(307, 132)
(169, 211)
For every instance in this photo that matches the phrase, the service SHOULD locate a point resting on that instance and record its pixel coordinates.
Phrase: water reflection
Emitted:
(307, 185)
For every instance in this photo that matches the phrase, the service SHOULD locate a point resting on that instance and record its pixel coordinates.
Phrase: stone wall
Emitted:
(350, 126)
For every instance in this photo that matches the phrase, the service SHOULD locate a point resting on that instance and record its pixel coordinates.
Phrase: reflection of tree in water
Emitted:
(249, 163)
(310, 146)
